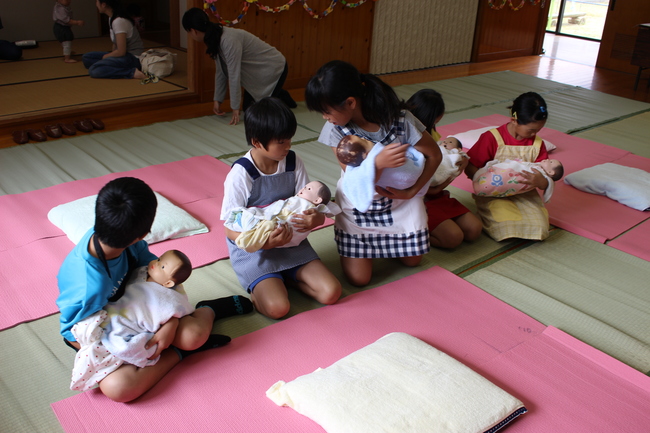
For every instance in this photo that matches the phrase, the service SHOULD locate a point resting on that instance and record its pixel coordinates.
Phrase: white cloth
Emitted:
(398, 384)
(137, 315)
(359, 182)
(627, 185)
(447, 167)
(93, 361)
(245, 219)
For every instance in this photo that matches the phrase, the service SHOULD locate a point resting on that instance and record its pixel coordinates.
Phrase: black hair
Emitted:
(184, 270)
(529, 107)
(324, 192)
(197, 19)
(427, 106)
(124, 211)
(119, 11)
(337, 80)
(269, 119)
(558, 173)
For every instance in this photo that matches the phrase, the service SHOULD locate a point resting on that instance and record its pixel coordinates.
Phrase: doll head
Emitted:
(450, 143)
(170, 269)
(316, 192)
(553, 168)
(352, 150)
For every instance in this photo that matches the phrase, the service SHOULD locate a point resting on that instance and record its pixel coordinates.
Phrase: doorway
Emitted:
(578, 18)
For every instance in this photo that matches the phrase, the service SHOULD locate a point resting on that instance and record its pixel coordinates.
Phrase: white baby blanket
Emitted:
(256, 223)
(398, 384)
(137, 315)
(447, 167)
(359, 182)
(627, 185)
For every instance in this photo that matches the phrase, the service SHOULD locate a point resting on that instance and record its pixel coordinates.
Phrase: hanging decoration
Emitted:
(503, 4)
(211, 5)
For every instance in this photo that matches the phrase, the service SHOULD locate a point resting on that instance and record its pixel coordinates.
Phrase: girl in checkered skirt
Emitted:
(395, 225)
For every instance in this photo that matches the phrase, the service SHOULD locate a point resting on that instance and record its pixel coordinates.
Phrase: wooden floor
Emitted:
(569, 72)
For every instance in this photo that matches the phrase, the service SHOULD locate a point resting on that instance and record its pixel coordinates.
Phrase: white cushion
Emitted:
(469, 138)
(77, 217)
(398, 384)
(627, 185)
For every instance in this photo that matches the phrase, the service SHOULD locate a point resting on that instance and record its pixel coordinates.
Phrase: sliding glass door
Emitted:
(579, 18)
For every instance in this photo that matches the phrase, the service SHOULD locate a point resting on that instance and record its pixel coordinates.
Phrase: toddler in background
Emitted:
(62, 16)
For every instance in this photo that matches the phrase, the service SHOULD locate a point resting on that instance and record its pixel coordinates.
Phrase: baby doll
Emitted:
(503, 179)
(452, 156)
(361, 175)
(255, 224)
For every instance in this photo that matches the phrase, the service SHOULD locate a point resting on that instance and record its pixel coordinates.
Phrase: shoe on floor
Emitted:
(83, 125)
(96, 123)
(53, 131)
(67, 128)
(20, 137)
(36, 135)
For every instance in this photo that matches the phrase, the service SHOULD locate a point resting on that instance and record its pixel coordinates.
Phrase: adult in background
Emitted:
(123, 61)
(242, 60)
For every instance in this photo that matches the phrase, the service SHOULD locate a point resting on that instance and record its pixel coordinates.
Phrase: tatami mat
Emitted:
(591, 291)
(48, 49)
(631, 134)
(565, 281)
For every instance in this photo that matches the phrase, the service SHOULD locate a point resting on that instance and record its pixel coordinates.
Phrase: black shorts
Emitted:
(63, 33)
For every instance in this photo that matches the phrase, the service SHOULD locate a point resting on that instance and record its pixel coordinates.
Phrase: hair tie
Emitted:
(514, 115)
(542, 109)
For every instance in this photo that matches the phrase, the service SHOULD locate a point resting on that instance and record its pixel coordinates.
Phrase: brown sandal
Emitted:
(96, 123)
(83, 125)
(20, 137)
(53, 131)
(36, 135)
(67, 128)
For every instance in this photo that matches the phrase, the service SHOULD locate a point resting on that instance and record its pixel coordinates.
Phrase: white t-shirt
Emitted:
(239, 184)
(133, 42)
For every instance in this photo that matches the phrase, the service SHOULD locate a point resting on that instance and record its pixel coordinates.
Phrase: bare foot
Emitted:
(138, 74)
(70, 60)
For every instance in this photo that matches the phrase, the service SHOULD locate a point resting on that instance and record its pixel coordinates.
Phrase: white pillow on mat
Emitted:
(398, 384)
(77, 217)
(469, 138)
(627, 185)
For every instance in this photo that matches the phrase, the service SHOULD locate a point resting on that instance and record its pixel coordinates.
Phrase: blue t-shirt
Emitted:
(84, 285)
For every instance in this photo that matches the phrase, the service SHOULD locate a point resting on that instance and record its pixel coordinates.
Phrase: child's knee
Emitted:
(276, 308)
(330, 293)
(119, 388)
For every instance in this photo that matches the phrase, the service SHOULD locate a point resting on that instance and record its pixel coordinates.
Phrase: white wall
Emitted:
(32, 19)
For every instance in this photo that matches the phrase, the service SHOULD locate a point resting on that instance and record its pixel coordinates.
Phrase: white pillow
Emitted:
(469, 138)
(398, 384)
(77, 217)
(627, 185)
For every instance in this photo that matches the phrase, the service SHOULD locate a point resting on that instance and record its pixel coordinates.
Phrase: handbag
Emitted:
(158, 62)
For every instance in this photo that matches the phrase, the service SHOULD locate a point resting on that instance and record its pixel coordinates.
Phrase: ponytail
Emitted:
(198, 20)
(337, 80)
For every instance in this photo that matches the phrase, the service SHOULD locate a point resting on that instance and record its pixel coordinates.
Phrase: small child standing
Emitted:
(270, 171)
(62, 16)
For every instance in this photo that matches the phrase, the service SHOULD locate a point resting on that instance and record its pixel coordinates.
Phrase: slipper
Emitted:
(20, 137)
(150, 78)
(67, 128)
(53, 131)
(96, 123)
(83, 125)
(36, 135)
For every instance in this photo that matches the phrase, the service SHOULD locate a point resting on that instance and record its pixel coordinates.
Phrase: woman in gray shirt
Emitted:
(242, 60)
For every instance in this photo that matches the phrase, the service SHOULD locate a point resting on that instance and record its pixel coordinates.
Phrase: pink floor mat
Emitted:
(32, 250)
(592, 216)
(566, 385)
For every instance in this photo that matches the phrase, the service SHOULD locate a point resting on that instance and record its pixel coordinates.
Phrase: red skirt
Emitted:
(442, 207)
